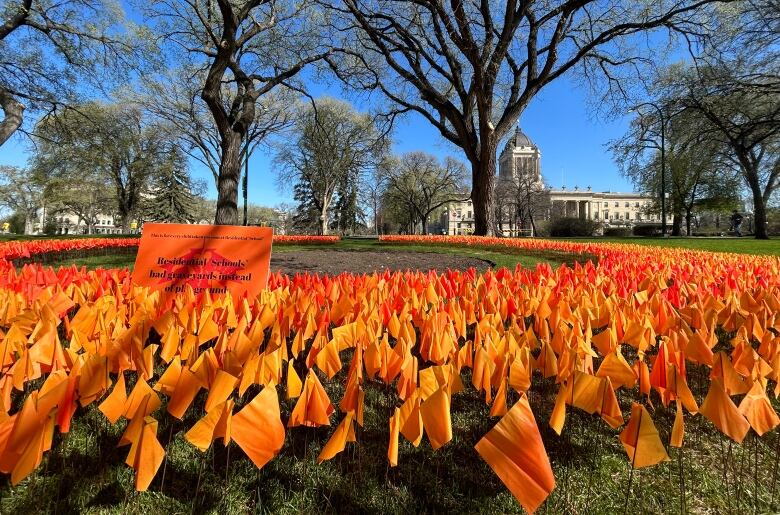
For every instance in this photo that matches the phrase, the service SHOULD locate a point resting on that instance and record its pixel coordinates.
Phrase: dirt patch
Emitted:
(333, 262)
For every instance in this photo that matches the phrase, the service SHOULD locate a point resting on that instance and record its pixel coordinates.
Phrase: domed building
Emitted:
(521, 160)
(523, 200)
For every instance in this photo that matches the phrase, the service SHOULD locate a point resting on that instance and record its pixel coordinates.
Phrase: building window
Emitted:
(626, 204)
(606, 204)
(636, 204)
(617, 204)
(596, 215)
(468, 214)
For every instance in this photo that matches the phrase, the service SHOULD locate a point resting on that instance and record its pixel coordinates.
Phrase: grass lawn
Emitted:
(745, 245)
(85, 473)
(107, 258)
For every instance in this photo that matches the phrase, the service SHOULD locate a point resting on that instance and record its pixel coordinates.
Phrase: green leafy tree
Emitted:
(109, 143)
(23, 193)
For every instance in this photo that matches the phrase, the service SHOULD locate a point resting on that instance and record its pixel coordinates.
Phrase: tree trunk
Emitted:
(688, 222)
(483, 177)
(14, 114)
(676, 224)
(324, 221)
(425, 225)
(759, 212)
(227, 183)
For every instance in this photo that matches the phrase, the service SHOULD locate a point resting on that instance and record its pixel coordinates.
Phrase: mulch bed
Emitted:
(333, 262)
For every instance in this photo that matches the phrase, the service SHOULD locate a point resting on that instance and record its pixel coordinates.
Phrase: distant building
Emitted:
(520, 177)
(70, 223)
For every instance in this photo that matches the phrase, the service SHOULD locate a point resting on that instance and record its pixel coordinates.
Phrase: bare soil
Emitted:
(333, 262)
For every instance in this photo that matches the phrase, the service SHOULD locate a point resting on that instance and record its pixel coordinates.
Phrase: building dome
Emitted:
(519, 139)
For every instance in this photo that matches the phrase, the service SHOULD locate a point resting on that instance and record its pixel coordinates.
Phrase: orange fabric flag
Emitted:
(146, 454)
(221, 389)
(114, 405)
(392, 447)
(721, 411)
(216, 423)
(345, 432)
(515, 452)
(610, 409)
(435, 412)
(641, 441)
(678, 430)
(313, 407)
(294, 385)
(758, 410)
(258, 427)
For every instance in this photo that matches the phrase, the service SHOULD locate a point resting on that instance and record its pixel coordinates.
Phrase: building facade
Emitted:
(522, 190)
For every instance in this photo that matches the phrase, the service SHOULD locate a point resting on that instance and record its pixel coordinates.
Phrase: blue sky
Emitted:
(572, 141)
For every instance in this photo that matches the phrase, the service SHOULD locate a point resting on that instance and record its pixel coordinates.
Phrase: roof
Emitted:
(519, 139)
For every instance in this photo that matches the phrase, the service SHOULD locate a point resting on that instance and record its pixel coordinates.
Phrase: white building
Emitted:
(520, 168)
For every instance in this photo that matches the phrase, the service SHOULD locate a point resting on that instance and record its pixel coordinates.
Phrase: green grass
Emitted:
(120, 258)
(85, 472)
(745, 245)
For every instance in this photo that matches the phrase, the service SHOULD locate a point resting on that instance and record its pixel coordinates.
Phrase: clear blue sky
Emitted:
(571, 139)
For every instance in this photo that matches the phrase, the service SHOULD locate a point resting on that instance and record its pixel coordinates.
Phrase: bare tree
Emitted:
(471, 68)
(175, 98)
(246, 49)
(523, 200)
(417, 181)
(52, 51)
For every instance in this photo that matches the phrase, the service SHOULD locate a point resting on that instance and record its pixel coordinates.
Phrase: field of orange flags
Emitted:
(628, 318)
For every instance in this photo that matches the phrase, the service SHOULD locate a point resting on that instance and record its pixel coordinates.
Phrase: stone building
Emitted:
(522, 196)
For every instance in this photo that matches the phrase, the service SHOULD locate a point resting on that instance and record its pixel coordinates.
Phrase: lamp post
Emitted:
(663, 160)
(246, 177)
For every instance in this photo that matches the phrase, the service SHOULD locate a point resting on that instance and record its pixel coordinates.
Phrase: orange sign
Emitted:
(220, 258)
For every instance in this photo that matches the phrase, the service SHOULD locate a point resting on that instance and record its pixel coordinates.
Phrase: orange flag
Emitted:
(114, 405)
(678, 430)
(641, 441)
(313, 407)
(515, 452)
(258, 427)
(758, 410)
(721, 411)
(345, 432)
(294, 385)
(435, 412)
(146, 454)
(392, 447)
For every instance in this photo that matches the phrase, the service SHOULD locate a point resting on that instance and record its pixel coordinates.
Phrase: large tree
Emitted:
(471, 68)
(420, 184)
(53, 50)
(174, 98)
(22, 193)
(246, 49)
(113, 141)
(697, 172)
(333, 148)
